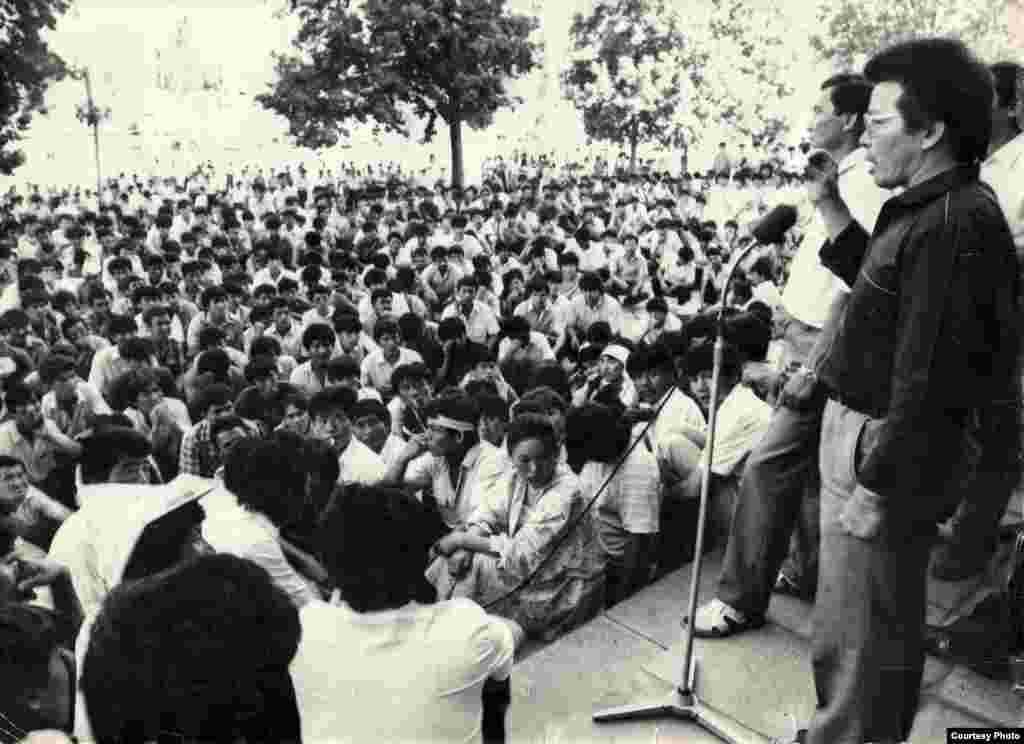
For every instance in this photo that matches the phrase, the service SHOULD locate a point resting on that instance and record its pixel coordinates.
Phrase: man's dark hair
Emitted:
(29, 637)
(369, 576)
(155, 311)
(318, 332)
(106, 447)
(240, 631)
(850, 94)
(531, 426)
(259, 368)
(331, 399)
(943, 82)
(264, 477)
(216, 394)
(127, 387)
(226, 423)
(1006, 75)
(136, 349)
(211, 294)
(265, 346)
(580, 443)
(492, 407)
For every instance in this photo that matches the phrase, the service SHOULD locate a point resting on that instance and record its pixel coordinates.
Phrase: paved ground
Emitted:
(763, 678)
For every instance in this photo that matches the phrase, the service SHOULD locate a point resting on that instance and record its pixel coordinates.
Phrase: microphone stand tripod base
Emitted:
(683, 705)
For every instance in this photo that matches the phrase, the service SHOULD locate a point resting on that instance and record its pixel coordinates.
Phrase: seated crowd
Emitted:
(287, 425)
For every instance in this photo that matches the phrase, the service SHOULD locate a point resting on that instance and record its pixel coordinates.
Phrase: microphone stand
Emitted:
(683, 703)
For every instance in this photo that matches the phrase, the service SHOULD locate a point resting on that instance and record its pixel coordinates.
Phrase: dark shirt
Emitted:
(929, 332)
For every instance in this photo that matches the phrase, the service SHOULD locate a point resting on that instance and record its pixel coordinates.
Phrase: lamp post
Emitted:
(91, 115)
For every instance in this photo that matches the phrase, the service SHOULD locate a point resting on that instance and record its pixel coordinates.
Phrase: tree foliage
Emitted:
(649, 71)
(380, 63)
(853, 30)
(27, 67)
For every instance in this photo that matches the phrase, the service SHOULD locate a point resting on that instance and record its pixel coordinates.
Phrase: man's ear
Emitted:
(933, 135)
(850, 122)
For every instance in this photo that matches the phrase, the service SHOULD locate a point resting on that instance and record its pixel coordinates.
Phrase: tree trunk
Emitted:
(633, 144)
(455, 136)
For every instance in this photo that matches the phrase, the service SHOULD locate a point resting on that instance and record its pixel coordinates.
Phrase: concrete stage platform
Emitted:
(761, 678)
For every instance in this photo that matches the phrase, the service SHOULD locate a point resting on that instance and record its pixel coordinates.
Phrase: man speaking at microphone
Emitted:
(928, 334)
(780, 481)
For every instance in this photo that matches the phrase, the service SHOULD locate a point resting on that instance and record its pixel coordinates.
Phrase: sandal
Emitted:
(716, 619)
(786, 584)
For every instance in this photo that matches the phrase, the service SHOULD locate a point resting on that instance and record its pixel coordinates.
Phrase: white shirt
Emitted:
(480, 473)
(376, 371)
(1004, 172)
(411, 674)
(742, 420)
(360, 464)
(812, 288)
(230, 528)
(480, 323)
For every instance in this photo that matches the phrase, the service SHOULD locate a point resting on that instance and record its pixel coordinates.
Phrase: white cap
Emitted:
(616, 352)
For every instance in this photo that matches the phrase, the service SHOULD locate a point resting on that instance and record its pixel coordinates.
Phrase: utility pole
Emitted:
(91, 116)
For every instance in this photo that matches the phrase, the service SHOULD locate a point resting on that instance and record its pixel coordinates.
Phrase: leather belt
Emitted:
(853, 404)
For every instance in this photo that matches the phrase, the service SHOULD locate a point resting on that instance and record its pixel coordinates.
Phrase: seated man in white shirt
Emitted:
(360, 650)
(764, 289)
(742, 421)
(378, 367)
(371, 425)
(330, 423)
(481, 324)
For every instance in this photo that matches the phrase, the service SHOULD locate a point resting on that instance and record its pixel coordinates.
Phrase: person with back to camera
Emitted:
(382, 659)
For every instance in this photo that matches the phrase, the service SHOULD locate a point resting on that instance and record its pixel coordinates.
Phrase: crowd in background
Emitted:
(477, 415)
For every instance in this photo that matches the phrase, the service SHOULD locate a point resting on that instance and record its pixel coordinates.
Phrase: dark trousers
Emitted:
(778, 486)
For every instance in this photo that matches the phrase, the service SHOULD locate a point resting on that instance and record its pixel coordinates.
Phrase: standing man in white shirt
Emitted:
(781, 476)
(990, 486)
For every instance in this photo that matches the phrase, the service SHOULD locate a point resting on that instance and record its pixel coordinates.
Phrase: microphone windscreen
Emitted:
(771, 230)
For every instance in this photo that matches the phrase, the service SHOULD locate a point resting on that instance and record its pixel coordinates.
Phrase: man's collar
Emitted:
(938, 185)
(1011, 150)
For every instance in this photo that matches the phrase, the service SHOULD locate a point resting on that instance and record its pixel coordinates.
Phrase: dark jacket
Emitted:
(930, 330)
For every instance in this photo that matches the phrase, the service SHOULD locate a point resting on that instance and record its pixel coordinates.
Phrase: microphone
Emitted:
(771, 229)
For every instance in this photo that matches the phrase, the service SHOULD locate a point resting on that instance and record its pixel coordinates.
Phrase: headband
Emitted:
(449, 423)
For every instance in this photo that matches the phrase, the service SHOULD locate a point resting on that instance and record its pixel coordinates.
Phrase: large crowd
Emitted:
(273, 440)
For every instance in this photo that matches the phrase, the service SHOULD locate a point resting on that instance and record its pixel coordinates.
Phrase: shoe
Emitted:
(786, 584)
(957, 562)
(716, 619)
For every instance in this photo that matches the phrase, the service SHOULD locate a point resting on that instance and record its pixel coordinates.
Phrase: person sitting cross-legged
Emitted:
(525, 549)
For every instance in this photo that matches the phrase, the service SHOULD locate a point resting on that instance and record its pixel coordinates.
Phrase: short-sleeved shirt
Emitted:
(39, 455)
(481, 324)
(631, 502)
(360, 464)
(376, 370)
(742, 421)
(352, 671)
(88, 404)
(479, 474)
